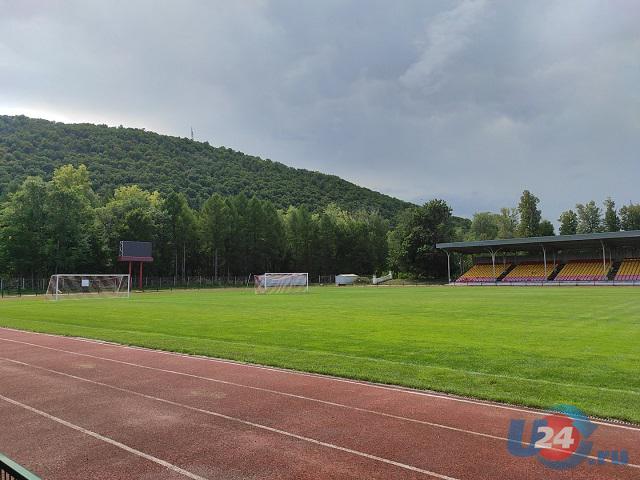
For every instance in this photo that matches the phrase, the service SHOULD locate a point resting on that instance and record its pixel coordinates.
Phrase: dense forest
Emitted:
(120, 156)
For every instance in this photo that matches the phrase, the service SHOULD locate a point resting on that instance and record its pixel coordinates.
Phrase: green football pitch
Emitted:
(529, 346)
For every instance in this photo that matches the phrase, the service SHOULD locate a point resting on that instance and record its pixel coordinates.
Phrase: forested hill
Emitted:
(122, 156)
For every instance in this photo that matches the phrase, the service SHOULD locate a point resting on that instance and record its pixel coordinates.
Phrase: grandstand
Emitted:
(594, 259)
(629, 270)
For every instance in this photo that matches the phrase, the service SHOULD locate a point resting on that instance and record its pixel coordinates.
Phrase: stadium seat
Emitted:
(583, 271)
(529, 272)
(483, 272)
(629, 270)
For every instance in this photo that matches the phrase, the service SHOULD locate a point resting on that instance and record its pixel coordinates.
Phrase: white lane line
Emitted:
(102, 438)
(266, 390)
(470, 432)
(397, 389)
(214, 414)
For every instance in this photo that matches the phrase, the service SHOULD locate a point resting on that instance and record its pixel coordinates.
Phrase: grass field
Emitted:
(529, 346)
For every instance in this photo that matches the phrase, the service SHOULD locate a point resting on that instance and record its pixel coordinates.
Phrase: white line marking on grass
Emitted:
(459, 430)
(214, 414)
(381, 386)
(102, 438)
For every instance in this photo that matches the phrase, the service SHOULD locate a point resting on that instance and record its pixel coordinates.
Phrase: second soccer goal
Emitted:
(281, 282)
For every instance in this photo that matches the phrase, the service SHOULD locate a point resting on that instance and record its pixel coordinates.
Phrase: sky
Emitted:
(470, 101)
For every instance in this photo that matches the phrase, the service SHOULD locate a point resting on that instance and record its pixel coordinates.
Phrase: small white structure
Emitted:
(386, 278)
(346, 279)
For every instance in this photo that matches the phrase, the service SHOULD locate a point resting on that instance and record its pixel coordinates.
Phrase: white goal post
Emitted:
(91, 285)
(281, 282)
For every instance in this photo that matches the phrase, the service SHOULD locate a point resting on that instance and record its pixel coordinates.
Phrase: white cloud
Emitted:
(446, 34)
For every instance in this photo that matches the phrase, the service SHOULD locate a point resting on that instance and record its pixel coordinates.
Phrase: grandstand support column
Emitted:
(493, 260)
(448, 264)
(544, 255)
(604, 260)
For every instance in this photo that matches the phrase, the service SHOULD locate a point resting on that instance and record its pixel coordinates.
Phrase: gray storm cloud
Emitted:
(470, 101)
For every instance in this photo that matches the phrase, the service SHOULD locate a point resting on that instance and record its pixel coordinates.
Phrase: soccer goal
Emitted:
(281, 282)
(77, 285)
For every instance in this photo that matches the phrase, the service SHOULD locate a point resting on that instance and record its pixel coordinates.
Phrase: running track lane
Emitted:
(75, 408)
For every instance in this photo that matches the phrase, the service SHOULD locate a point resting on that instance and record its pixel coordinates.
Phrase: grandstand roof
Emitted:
(558, 242)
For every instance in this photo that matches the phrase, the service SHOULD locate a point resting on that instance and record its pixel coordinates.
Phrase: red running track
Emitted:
(75, 408)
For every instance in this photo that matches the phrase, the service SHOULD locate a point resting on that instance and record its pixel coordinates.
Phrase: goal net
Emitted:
(62, 286)
(281, 282)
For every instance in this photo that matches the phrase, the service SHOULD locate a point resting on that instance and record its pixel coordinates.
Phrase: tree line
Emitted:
(63, 226)
(525, 220)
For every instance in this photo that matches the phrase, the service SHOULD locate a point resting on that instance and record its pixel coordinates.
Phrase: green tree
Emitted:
(215, 229)
(484, 226)
(327, 241)
(238, 240)
(611, 219)
(301, 235)
(274, 237)
(378, 251)
(73, 235)
(530, 215)
(507, 222)
(630, 217)
(546, 229)
(23, 229)
(265, 232)
(412, 242)
(182, 230)
(589, 218)
(568, 223)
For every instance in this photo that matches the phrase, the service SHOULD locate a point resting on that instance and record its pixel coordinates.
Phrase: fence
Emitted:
(10, 470)
(18, 286)
(191, 282)
(202, 281)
